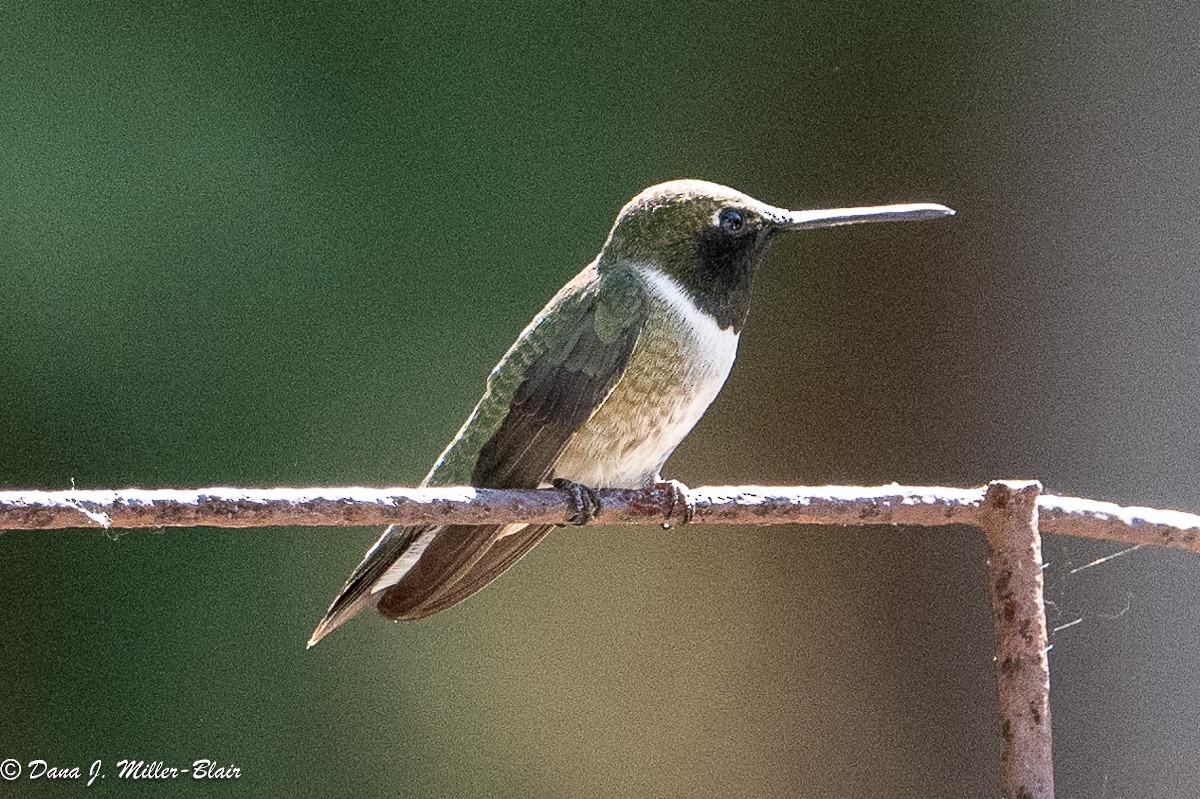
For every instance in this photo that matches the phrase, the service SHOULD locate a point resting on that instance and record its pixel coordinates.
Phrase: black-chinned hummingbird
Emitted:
(600, 388)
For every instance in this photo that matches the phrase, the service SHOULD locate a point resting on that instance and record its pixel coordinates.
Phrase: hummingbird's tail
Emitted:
(414, 572)
(503, 554)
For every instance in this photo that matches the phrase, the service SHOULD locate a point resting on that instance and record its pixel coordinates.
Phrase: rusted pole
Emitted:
(260, 507)
(1010, 521)
(333, 507)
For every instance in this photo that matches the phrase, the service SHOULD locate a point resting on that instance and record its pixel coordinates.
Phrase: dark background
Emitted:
(255, 245)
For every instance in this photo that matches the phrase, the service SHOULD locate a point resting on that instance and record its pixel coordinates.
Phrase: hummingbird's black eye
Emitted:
(732, 221)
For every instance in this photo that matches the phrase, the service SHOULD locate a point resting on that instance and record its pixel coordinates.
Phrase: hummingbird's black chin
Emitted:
(724, 269)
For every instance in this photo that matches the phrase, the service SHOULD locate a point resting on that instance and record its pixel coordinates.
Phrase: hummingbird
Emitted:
(599, 389)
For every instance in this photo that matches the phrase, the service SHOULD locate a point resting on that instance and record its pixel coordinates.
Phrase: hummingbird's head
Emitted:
(710, 238)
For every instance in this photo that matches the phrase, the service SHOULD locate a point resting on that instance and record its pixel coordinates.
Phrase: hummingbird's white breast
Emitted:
(676, 370)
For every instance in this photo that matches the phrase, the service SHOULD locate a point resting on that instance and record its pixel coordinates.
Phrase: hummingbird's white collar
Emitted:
(705, 325)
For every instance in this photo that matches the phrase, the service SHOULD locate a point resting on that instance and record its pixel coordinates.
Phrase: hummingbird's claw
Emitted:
(585, 502)
(680, 495)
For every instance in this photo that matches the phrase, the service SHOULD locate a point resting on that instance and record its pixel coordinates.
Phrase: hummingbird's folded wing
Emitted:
(560, 370)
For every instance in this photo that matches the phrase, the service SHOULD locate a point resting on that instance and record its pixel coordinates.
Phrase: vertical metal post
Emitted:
(1010, 522)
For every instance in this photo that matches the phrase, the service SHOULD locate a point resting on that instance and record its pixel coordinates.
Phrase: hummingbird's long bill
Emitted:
(831, 217)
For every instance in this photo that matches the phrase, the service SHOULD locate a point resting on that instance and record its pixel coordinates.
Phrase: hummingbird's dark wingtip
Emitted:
(331, 622)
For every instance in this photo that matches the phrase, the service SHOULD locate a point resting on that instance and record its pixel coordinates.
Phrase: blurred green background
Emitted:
(254, 244)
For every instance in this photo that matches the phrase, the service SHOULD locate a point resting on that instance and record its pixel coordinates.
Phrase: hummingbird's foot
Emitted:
(680, 495)
(584, 501)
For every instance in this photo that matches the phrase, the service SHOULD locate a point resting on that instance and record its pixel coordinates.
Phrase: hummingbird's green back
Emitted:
(561, 368)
